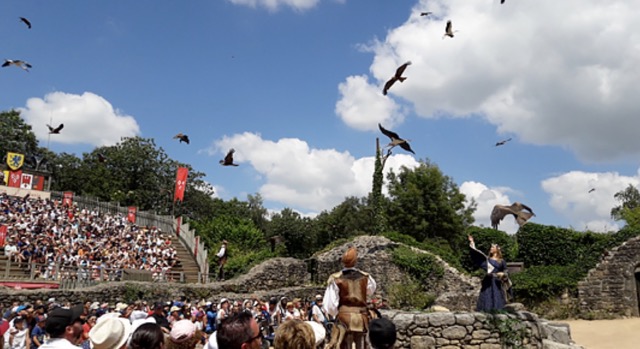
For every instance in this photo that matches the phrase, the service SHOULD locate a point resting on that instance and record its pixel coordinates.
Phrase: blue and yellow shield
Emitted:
(15, 161)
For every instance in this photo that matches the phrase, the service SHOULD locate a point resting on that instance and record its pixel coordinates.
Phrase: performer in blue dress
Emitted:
(496, 283)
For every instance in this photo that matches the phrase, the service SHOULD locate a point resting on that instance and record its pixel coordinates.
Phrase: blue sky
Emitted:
(295, 87)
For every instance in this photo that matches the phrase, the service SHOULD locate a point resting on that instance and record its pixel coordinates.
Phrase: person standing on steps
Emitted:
(222, 260)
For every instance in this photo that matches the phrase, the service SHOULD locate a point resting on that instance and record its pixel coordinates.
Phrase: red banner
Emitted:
(3, 234)
(67, 199)
(38, 183)
(131, 215)
(181, 183)
(15, 177)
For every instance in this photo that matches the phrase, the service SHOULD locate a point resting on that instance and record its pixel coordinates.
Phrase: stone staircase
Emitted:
(187, 264)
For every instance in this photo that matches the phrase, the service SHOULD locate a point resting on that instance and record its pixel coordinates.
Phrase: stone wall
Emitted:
(454, 290)
(477, 331)
(610, 288)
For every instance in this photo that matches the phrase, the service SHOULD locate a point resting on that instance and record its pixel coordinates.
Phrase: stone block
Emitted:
(481, 334)
(403, 321)
(454, 332)
(422, 342)
(442, 319)
(422, 319)
(465, 319)
(490, 346)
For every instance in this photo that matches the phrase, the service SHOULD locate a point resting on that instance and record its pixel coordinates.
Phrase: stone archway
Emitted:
(613, 285)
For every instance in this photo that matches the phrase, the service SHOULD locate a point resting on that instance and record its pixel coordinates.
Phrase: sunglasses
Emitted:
(258, 336)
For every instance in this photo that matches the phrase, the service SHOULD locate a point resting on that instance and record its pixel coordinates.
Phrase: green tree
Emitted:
(17, 135)
(426, 204)
(350, 218)
(298, 233)
(629, 208)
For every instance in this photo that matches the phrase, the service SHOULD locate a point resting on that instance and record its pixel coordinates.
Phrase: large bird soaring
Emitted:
(448, 30)
(228, 160)
(25, 21)
(18, 63)
(516, 209)
(396, 77)
(182, 138)
(396, 140)
(503, 142)
(56, 130)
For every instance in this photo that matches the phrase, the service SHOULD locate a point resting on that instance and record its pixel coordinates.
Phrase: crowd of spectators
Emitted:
(68, 242)
(182, 324)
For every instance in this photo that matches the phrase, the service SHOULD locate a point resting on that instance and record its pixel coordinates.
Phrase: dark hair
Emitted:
(234, 331)
(147, 336)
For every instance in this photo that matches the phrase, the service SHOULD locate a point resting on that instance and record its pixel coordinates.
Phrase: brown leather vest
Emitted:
(352, 307)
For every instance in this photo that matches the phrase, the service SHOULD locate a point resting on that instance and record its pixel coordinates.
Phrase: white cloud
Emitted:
(568, 80)
(87, 118)
(301, 177)
(570, 197)
(486, 198)
(362, 105)
(273, 5)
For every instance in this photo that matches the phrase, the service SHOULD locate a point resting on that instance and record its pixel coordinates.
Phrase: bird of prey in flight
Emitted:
(182, 138)
(518, 210)
(503, 142)
(228, 160)
(56, 130)
(18, 63)
(26, 21)
(396, 140)
(397, 77)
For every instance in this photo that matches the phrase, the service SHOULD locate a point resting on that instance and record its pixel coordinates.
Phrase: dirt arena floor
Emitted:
(606, 334)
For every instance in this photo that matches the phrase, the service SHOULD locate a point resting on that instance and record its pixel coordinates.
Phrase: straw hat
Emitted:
(111, 333)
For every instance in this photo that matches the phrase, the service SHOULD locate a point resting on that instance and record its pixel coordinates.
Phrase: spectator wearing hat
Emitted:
(294, 334)
(18, 335)
(184, 335)
(147, 336)
(317, 313)
(239, 331)
(64, 327)
(160, 318)
(223, 311)
(111, 333)
(382, 333)
(37, 333)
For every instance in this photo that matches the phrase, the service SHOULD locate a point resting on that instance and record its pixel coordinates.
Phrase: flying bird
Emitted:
(448, 30)
(501, 1)
(182, 138)
(18, 63)
(396, 77)
(516, 209)
(55, 130)
(503, 142)
(26, 21)
(396, 140)
(425, 13)
(102, 157)
(592, 190)
(228, 160)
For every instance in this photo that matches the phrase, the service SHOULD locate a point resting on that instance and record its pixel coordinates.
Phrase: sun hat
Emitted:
(63, 317)
(182, 331)
(121, 306)
(111, 333)
(318, 330)
(138, 322)
(106, 316)
(174, 308)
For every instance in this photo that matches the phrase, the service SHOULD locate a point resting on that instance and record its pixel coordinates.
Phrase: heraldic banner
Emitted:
(131, 214)
(3, 234)
(15, 178)
(67, 198)
(15, 161)
(181, 183)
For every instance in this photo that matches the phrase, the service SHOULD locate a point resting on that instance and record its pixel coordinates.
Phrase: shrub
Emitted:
(434, 246)
(540, 283)
(409, 295)
(421, 266)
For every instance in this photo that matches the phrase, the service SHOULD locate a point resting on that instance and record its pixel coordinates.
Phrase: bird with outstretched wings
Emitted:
(448, 30)
(396, 140)
(397, 77)
(182, 137)
(521, 212)
(55, 130)
(228, 160)
(502, 142)
(425, 13)
(26, 21)
(18, 63)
